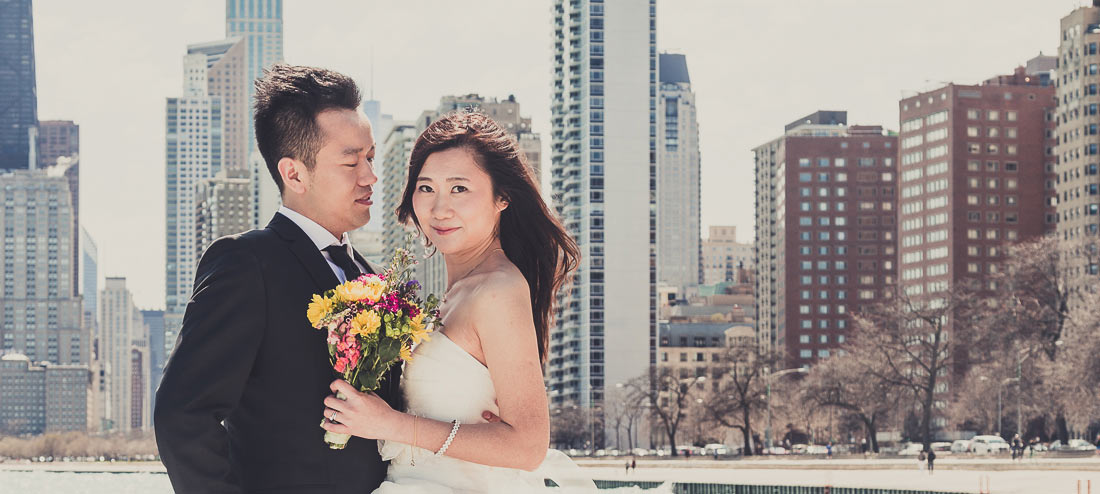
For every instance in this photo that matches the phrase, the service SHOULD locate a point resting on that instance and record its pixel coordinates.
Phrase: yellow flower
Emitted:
(419, 332)
(374, 288)
(351, 291)
(319, 308)
(406, 353)
(366, 323)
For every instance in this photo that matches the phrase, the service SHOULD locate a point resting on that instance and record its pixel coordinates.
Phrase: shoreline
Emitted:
(1083, 465)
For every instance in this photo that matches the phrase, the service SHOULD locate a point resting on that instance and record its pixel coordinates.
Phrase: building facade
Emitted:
(18, 93)
(36, 399)
(976, 174)
(41, 315)
(194, 153)
(825, 232)
(724, 258)
(678, 180)
(603, 174)
(1077, 125)
(223, 206)
(121, 330)
(259, 24)
(56, 139)
(158, 351)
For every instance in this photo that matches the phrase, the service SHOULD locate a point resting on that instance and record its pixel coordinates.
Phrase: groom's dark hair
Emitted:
(288, 99)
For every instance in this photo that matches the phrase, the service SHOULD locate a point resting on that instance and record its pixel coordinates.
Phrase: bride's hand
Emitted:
(362, 414)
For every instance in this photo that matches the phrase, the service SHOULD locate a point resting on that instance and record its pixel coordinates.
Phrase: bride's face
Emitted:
(454, 202)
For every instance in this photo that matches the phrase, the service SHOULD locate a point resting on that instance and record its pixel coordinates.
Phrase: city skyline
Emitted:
(740, 102)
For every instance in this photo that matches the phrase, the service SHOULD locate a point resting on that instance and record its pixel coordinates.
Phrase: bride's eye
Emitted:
(459, 188)
(424, 188)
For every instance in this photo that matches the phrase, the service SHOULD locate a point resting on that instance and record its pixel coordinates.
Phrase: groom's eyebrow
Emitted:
(354, 151)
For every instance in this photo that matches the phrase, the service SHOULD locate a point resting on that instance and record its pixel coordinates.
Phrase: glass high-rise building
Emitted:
(603, 167)
(18, 97)
(259, 23)
(195, 151)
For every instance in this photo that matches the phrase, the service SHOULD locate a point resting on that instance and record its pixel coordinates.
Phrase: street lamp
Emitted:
(768, 375)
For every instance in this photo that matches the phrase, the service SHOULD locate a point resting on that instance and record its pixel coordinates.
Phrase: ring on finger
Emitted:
(332, 416)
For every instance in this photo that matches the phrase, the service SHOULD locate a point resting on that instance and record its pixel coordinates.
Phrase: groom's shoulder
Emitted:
(252, 243)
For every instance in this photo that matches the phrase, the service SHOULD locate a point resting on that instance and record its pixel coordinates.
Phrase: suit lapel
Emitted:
(306, 252)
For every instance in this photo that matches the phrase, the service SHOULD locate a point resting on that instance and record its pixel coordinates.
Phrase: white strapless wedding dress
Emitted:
(443, 382)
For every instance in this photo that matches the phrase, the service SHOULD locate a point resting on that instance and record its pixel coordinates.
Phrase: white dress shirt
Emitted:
(323, 238)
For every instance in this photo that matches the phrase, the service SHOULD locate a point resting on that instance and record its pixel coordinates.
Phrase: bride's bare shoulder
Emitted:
(505, 284)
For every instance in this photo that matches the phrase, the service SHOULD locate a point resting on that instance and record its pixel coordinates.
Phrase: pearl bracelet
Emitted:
(451, 437)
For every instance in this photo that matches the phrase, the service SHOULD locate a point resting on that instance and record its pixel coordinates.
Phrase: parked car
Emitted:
(816, 449)
(988, 445)
(911, 449)
(941, 447)
(798, 449)
(719, 449)
(1079, 445)
(960, 446)
(776, 450)
(640, 452)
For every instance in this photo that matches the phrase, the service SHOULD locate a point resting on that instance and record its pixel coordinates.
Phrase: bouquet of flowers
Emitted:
(372, 322)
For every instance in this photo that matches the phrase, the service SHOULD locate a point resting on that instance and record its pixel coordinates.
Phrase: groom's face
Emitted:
(338, 189)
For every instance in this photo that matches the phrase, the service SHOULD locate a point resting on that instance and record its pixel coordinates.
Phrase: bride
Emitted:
(471, 193)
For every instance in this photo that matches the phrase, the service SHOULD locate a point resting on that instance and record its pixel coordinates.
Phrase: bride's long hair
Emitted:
(532, 237)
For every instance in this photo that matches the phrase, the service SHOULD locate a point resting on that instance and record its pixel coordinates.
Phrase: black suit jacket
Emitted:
(246, 355)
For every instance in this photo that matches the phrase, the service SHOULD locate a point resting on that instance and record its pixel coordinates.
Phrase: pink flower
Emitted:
(340, 365)
(333, 338)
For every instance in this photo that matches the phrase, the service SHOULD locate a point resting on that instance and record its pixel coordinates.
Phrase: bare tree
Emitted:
(903, 343)
(742, 393)
(842, 384)
(669, 397)
(1043, 293)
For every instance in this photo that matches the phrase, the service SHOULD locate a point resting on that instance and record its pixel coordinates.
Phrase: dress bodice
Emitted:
(444, 382)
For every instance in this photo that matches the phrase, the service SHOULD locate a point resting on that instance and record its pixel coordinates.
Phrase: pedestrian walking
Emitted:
(921, 458)
(628, 467)
(633, 464)
(931, 461)
(1098, 445)
(829, 450)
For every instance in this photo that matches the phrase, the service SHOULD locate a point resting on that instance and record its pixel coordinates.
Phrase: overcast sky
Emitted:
(755, 65)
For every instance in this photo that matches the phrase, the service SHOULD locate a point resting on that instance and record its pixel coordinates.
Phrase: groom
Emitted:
(242, 394)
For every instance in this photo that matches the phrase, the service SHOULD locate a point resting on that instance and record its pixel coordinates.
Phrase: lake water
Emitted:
(89, 483)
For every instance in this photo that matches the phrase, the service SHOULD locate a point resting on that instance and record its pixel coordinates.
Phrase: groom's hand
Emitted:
(490, 417)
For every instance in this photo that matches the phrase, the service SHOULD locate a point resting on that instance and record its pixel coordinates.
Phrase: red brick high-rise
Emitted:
(977, 173)
(825, 232)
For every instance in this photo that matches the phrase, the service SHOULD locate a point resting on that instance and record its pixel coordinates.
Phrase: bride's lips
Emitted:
(444, 231)
(365, 201)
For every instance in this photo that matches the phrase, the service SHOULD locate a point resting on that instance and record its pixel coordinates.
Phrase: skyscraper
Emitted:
(18, 95)
(259, 23)
(223, 207)
(678, 186)
(977, 174)
(196, 149)
(158, 350)
(120, 327)
(603, 167)
(825, 232)
(57, 138)
(41, 314)
(1077, 120)
(391, 173)
(89, 277)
